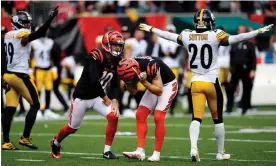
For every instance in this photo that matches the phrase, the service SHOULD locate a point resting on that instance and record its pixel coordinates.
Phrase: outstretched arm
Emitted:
(164, 34)
(244, 36)
(41, 31)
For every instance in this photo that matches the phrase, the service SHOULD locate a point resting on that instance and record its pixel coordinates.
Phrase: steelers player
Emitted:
(42, 50)
(202, 44)
(17, 48)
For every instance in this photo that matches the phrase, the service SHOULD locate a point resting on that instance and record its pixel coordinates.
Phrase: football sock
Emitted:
(107, 148)
(7, 117)
(219, 132)
(48, 99)
(30, 120)
(142, 125)
(64, 132)
(160, 130)
(111, 128)
(194, 133)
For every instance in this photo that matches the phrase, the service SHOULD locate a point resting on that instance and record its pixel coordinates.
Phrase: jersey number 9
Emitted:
(9, 50)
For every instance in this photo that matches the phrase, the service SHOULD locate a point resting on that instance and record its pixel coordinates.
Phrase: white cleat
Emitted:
(222, 156)
(49, 114)
(135, 155)
(154, 158)
(39, 115)
(195, 155)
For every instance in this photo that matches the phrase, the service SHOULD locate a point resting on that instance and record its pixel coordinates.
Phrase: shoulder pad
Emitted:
(96, 54)
(23, 34)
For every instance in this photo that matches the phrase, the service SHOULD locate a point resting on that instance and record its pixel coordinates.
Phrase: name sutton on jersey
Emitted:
(195, 37)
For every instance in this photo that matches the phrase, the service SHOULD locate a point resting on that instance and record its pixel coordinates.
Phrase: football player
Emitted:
(161, 86)
(17, 47)
(99, 69)
(42, 50)
(202, 44)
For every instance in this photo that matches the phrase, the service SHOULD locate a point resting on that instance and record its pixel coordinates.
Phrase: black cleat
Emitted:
(55, 149)
(109, 155)
(8, 146)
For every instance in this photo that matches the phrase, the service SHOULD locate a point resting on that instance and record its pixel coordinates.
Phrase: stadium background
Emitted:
(76, 29)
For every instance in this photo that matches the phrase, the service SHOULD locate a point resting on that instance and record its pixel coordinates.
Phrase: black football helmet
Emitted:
(204, 20)
(20, 20)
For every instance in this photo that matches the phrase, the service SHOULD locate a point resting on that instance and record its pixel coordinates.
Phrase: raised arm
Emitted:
(232, 39)
(164, 34)
(41, 31)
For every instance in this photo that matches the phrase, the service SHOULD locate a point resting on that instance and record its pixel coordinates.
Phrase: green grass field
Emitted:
(85, 147)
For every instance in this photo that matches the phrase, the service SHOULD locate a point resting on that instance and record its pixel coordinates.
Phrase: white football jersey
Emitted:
(203, 53)
(170, 47)
(138, 47)
(17, 55)
(42, 52)
(224, 56)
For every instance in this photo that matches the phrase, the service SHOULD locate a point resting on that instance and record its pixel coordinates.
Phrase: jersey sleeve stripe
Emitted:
(23, 34)
(221, 37)
(100, 55)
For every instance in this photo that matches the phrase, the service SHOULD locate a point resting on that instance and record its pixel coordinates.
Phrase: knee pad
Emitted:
(197, 119)
(142, 113)
(218, 121)
(159, 116)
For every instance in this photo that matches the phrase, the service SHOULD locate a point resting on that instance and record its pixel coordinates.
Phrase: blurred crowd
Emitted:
(70, 8)
(137, 44)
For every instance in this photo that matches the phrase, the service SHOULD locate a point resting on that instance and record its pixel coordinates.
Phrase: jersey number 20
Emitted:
(9, 50)
(202, 55)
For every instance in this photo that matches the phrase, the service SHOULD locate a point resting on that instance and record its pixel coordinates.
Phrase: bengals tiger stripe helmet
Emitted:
(113, 38)
(128, 69)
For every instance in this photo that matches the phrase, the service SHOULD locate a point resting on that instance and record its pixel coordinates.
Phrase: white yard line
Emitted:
(99, 154)
(128, 124)
(270, 151)
(28, 160)
(149, 137)
(177, 115)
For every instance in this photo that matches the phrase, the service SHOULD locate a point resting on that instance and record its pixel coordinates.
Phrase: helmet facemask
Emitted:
(116, 49)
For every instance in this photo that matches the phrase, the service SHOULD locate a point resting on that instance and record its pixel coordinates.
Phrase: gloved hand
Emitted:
(146, 27)
(53, 13)
(5, 85)
(265, 29)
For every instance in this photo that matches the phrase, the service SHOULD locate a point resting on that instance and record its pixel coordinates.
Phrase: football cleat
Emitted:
(27, 142)
(222, 156)
(9, 146)
(154, 158)
(195, 155)
(109, 155)
(55, 149)
(140, 155)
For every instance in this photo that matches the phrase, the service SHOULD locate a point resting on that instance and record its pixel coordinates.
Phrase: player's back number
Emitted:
(192, 48)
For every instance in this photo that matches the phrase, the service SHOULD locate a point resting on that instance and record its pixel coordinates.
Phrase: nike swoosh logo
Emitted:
(107, 156)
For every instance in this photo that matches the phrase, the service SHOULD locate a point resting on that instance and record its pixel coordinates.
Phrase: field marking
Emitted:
(127, 124)
(211, 154)
(253, 131)
(29, 160)
(270, 151)
(99, 154)
(150, 137)
(94, 158)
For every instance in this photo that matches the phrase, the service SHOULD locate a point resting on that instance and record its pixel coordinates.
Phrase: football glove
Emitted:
(146, 27)
(5, 85)
(265, 29)
(53, 13)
